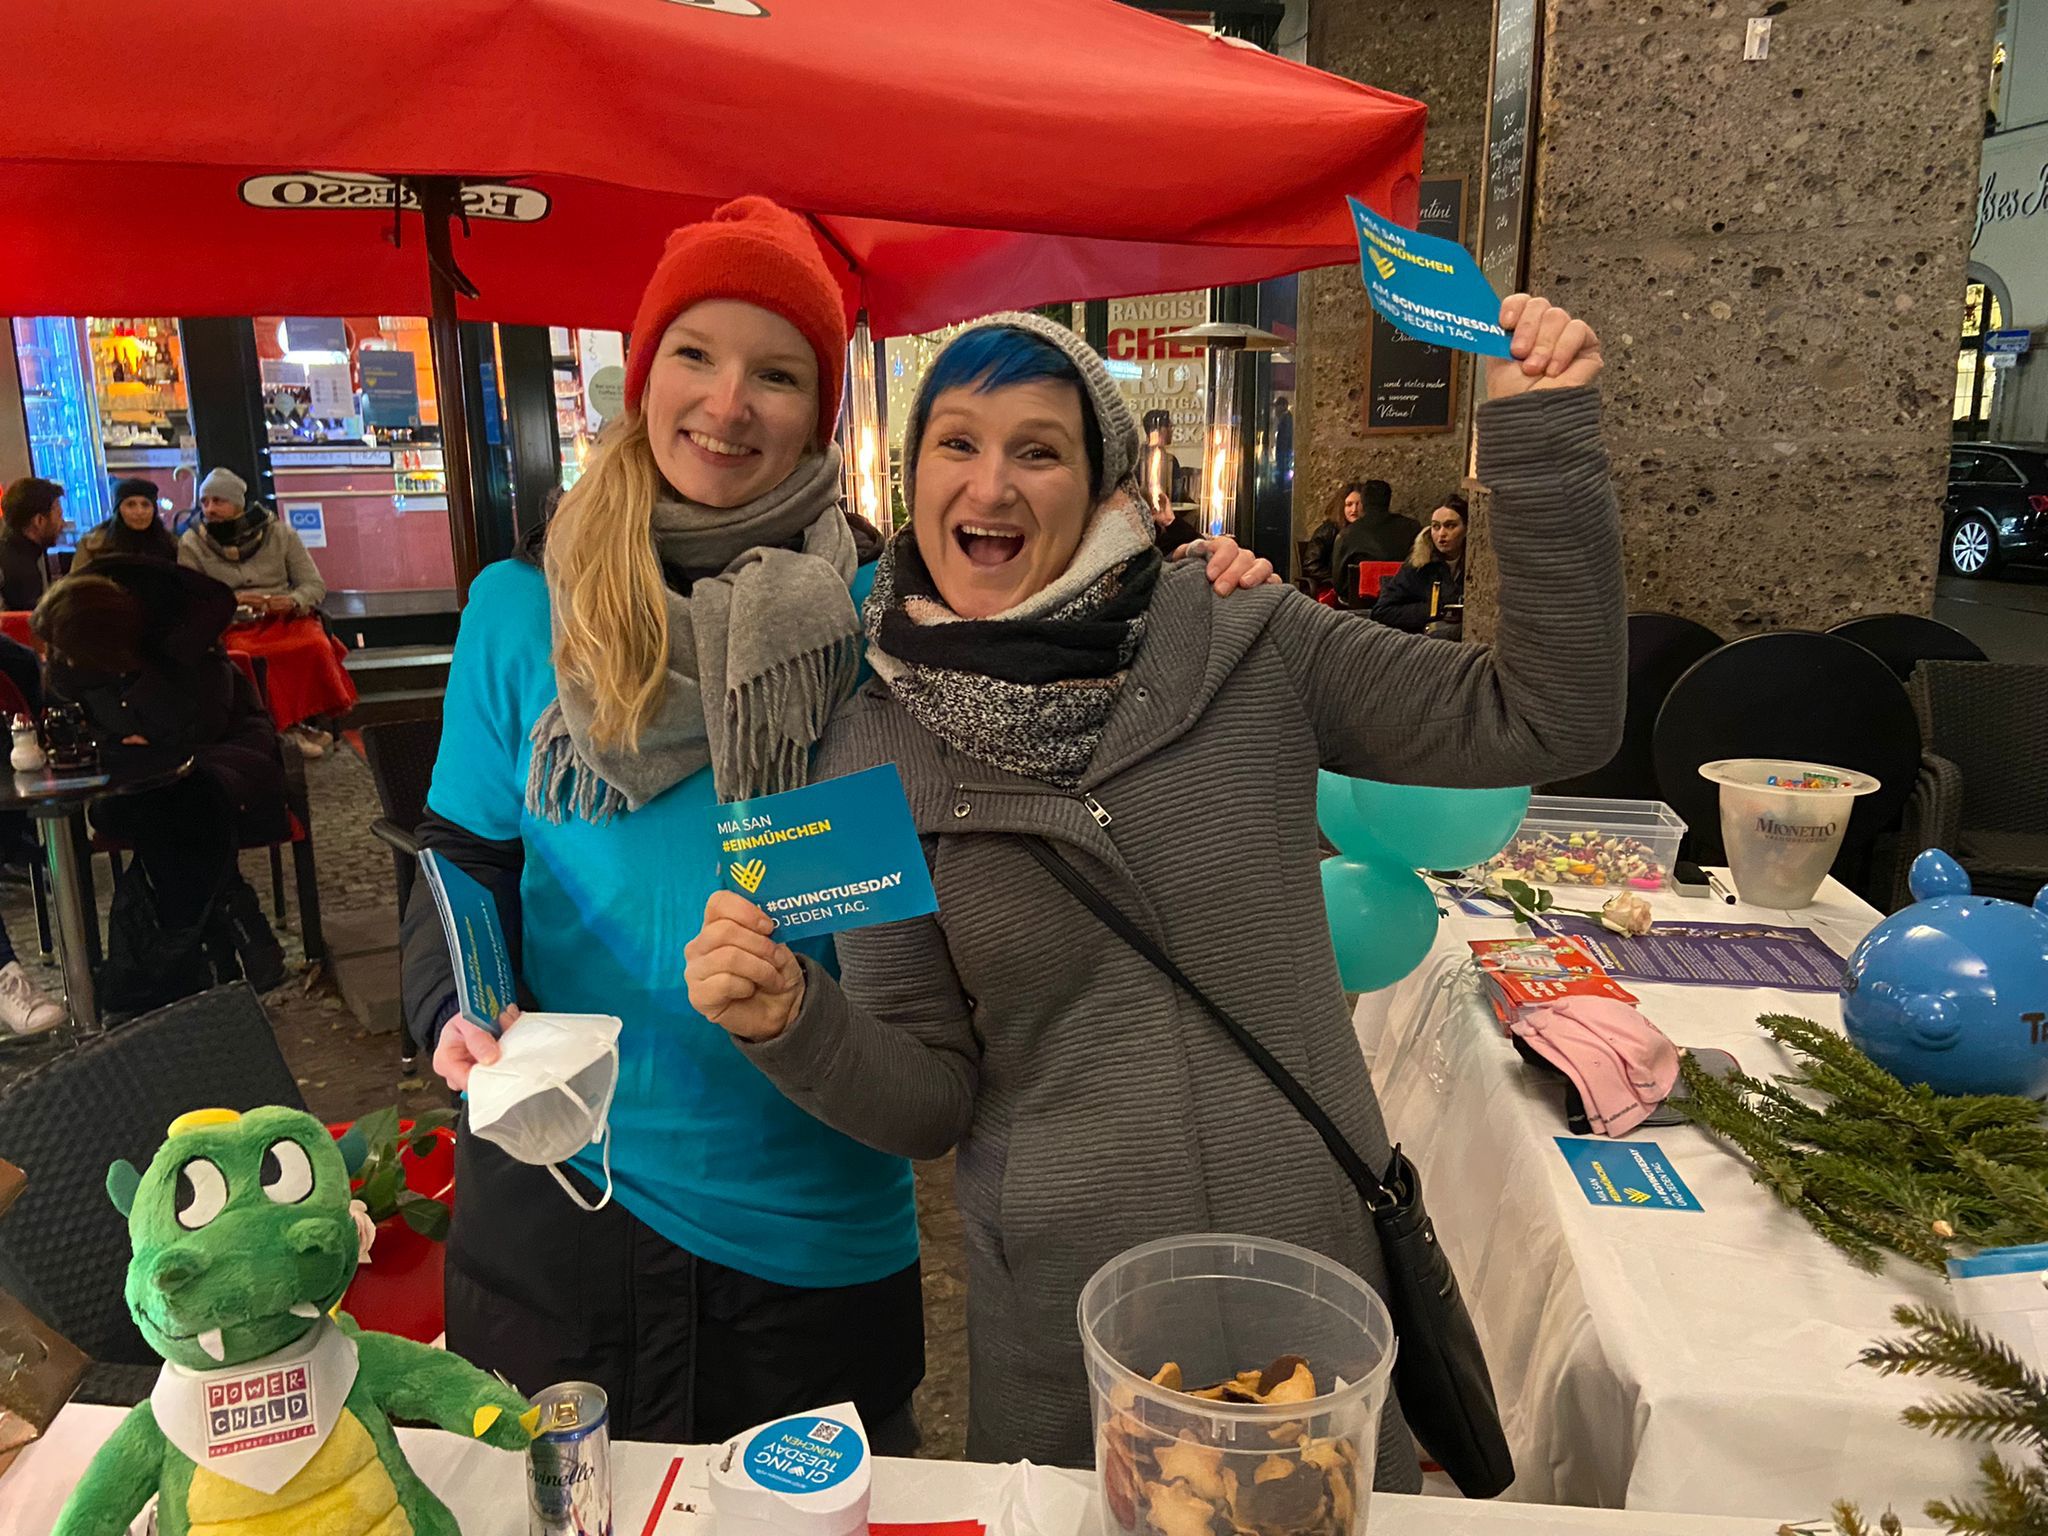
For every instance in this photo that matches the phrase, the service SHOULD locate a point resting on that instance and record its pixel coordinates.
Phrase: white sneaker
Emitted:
(24, 1008)
(311, 743)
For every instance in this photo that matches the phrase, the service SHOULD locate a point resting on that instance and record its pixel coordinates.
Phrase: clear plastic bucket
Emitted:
(1782, 822)
(1217, 1306)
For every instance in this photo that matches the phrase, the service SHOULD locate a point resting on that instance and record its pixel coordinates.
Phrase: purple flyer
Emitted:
(1712, 955)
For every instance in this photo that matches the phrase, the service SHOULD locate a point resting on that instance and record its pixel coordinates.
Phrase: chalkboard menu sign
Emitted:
(1504, 201)
(1411, 386)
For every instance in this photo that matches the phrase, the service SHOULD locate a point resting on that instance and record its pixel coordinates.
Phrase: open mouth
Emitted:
(987, 546)
(718, 450)
(209, 1339)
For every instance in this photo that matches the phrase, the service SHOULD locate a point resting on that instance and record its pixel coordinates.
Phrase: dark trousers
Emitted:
(18, 664)
(184, 835)
(689, 1352)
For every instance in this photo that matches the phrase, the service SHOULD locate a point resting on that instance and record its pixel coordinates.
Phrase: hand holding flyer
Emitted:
(1427, 287)
(822, 859)
(835, 855)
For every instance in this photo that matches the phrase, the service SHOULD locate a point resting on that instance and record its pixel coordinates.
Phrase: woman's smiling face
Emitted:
(731, 402)
(1003, 492)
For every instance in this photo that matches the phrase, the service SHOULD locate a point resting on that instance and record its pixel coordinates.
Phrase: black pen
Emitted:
(1714, 884)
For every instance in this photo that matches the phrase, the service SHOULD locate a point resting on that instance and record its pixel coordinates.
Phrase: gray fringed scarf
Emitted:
(759, 656)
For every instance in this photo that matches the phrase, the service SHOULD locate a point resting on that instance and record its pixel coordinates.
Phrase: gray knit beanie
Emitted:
(1119, 429)
(225, 484)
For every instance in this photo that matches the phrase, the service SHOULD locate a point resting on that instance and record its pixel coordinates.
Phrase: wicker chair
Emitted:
(1982, 795)
(64, 1248)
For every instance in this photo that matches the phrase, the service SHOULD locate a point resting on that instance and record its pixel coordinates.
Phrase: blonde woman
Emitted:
(678, 640)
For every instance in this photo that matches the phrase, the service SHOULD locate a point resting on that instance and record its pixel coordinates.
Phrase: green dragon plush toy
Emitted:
(273, 1413)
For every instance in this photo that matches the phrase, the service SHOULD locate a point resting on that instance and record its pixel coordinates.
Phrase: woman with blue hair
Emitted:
(1043, 675)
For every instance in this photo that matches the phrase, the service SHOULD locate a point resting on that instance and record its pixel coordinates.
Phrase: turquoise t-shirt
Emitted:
(705, 1149)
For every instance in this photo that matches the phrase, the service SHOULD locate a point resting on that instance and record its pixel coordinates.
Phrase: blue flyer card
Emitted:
(830, 856)
(1428, 287)
(1635, 1175)
(484, 984)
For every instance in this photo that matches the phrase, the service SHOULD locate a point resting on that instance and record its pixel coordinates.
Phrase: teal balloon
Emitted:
(1382, 921)
(1423, 828)
(1338, 813)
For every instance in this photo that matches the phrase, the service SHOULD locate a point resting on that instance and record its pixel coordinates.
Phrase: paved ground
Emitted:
(2008, 617)
(345, 1071)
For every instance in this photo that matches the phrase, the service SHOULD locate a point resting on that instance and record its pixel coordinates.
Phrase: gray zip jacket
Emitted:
(1094, 1107)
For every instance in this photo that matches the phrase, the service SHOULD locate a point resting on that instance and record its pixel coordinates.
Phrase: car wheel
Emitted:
(1972, 547)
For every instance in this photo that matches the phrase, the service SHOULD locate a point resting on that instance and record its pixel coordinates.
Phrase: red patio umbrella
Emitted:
(226, 157)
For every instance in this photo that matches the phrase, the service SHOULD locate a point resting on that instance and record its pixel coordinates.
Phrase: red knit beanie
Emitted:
(760, 253)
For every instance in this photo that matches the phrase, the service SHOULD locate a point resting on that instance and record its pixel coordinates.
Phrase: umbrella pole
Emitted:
(437, 196)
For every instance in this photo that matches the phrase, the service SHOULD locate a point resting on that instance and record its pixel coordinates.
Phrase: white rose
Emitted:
(366, 1230)
(1627, 914)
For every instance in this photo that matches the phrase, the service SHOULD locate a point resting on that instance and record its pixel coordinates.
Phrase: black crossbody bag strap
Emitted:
(1440, 1372)
(1370, 1189)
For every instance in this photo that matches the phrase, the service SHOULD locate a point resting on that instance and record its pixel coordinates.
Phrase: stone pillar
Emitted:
(1436, 52)
(1774, 253)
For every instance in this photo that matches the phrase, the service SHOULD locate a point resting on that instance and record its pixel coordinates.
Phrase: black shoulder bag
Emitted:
(1440, 1371)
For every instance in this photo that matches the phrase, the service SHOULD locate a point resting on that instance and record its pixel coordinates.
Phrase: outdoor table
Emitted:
(304, 677)
(1652, 1358)
(55, 801)
(657, 1490)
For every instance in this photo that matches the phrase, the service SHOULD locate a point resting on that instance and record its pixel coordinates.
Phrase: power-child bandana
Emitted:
(259, 1423)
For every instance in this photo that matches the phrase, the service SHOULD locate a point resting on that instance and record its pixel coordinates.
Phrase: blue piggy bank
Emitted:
(1953, 990)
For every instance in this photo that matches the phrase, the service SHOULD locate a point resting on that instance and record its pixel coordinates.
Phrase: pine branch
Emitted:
(2022, 1146)
(1874, 1164)
(1982, 1416)
(1832, 1054)
(1974, 1114)
(2013, 1504)
(2024, 1195)
(1944, 1345)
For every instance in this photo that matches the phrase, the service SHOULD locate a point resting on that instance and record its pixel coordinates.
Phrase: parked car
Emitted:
(1997, 507)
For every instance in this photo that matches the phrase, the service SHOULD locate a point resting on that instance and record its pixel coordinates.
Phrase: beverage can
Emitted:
(569, 1464)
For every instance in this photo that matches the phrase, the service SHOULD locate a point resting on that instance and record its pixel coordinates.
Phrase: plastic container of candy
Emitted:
(1614, 845)
(1188, 1441)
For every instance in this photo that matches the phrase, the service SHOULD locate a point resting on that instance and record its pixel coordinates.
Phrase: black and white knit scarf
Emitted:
(1030, 689)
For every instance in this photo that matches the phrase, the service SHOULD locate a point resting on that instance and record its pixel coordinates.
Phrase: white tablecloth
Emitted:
(1652, 1359)
(487, 1491)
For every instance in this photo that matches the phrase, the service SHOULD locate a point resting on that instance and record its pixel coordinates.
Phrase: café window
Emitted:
(1977, 378)
(104, 397)
(354, 433)
(590, 388)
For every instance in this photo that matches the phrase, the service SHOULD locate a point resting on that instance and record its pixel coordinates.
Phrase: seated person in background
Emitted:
(1158, 469)
(1170, 530)
(31, 520)
(133, 529)
(259, 558)
(1372, 533)
(136, 644)
(241, 545)
(1427, 595)
(1317, 568)
(1375, 531)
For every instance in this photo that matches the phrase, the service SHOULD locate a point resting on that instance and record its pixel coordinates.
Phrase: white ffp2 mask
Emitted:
(549, 1093)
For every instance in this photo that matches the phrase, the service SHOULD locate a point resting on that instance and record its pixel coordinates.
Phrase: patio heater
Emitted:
(867, 476)
(1223, 442)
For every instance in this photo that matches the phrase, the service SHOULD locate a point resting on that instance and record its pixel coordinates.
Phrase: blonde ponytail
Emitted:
(610, 606)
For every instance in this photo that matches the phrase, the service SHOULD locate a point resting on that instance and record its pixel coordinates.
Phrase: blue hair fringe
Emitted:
(997, 358)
